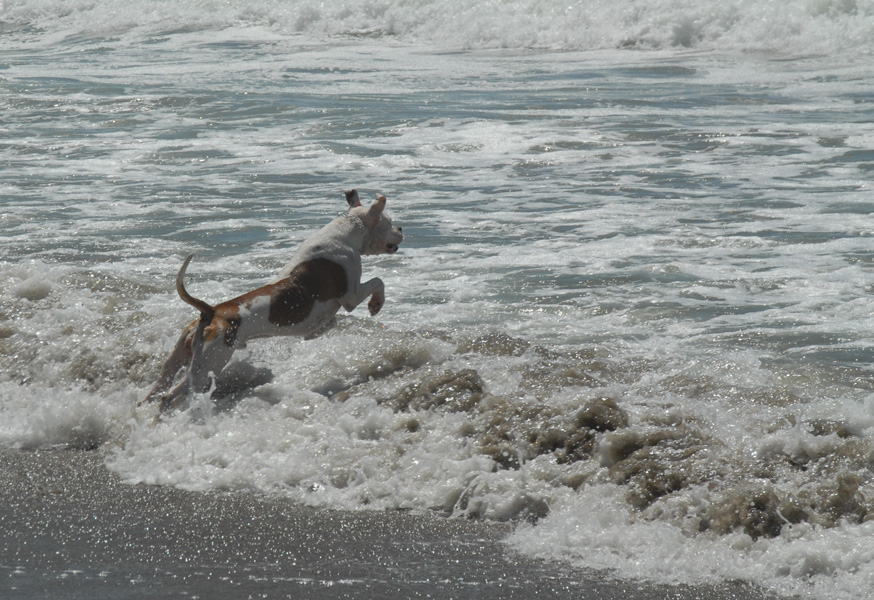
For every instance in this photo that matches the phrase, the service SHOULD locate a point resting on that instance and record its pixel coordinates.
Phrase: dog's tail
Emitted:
(207, 312)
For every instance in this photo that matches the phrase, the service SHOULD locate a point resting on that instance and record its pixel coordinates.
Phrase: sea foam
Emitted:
(797, 26)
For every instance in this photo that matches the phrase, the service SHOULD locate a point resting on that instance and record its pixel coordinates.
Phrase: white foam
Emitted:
(798, 26)
(32, 288)
(37, 417)
(805, 561)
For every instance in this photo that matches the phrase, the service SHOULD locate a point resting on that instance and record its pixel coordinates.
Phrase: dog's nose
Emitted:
(401, 229)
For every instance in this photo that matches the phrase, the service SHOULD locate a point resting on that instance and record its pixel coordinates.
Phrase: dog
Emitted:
(322, 276)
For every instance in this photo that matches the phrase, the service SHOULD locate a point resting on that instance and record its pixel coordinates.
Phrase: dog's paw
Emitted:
(375, 304)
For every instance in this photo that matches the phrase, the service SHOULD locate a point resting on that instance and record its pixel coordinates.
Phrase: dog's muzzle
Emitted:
(391, 247)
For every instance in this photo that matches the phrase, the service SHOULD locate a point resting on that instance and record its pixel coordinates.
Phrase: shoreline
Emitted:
(71, 529)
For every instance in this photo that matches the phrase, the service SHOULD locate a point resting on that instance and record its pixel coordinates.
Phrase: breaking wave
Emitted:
(795, 26)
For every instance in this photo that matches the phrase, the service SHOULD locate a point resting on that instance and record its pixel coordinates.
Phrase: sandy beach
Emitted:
(70, 529)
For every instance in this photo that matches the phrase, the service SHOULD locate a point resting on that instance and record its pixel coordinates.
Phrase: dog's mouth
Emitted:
(391, 248)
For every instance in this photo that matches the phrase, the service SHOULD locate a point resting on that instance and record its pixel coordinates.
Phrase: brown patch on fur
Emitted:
(211, 331)
(225, 323)
(189, 337)
(293, 298)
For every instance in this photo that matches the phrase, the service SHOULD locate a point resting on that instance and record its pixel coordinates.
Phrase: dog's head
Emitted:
(384, 237)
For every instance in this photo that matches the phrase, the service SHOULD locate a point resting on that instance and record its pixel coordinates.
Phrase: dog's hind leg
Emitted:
(207, 359)
(179, 358)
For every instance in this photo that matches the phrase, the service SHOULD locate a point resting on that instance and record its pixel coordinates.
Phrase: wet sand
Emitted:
(69, 529)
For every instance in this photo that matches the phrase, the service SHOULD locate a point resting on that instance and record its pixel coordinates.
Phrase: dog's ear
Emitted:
(374, 212)
(377, 207)
(352, 198)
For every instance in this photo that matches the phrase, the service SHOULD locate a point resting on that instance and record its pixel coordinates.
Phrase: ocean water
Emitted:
(631, 313)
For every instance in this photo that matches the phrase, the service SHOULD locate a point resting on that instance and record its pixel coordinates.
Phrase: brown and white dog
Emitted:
(323, 276)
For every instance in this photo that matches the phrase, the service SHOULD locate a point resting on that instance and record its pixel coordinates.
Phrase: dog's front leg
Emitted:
(373, 288)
